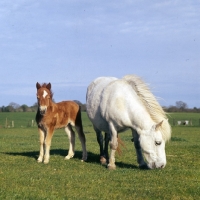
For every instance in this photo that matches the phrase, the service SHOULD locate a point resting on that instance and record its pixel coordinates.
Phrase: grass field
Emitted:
(21, 177)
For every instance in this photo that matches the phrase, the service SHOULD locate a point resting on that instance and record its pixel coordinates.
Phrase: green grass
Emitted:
(194, 118)
(21, 177)
(20, 119)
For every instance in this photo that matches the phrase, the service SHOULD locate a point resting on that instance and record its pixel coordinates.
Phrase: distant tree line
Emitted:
(14, 107)
(181, 107)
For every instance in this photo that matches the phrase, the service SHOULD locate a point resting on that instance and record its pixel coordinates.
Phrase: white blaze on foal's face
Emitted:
(44, 94)
(43, 101)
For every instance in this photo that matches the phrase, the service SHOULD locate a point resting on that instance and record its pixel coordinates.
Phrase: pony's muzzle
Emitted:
(156, 165)
(43, 110)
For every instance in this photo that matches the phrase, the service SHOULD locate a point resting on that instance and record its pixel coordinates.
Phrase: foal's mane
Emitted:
(44, 85)
(150, 102)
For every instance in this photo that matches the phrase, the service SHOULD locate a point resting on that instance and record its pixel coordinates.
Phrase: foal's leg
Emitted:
(79, 128)
(71, 136)
(138, 149)
(42, 145)
(81, 135)
(48, 145)
(113, 146)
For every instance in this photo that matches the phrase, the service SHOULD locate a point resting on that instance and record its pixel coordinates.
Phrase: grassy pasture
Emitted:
(192, 117)
(21, 177)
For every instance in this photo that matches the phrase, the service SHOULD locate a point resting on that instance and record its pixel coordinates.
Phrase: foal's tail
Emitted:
(79, 119)
(120, 143)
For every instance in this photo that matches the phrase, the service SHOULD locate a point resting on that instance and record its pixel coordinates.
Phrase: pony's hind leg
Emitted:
(138, 149)
(107, 139)
(71, 136)
(113, 146)
(42, 145)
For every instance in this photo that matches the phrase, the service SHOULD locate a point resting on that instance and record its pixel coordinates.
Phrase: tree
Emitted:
(181, 105)
(24, 107)
(14, 105)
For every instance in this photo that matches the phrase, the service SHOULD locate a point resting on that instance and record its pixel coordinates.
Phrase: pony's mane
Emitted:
(150, 102)
(44, 85)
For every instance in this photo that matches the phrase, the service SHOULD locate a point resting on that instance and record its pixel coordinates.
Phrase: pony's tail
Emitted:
(120, 144)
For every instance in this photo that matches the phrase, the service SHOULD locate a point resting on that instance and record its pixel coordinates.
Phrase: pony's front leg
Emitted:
(42, 145)
(140, 159)
(100, 142)
(71, 136)
(113, 147)
(106, 142)
(48, 145)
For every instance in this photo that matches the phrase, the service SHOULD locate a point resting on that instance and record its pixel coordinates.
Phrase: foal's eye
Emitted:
(157, 143)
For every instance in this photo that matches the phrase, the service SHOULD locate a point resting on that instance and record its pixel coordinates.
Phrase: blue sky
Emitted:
(71, 42)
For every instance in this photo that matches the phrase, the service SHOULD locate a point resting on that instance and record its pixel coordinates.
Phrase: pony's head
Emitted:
(153, 145)
(44, 95)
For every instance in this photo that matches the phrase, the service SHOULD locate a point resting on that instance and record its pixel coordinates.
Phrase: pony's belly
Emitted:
(122, 129)
(101, 125)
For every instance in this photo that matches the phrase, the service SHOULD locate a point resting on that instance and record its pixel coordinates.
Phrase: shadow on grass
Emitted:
(92, 158)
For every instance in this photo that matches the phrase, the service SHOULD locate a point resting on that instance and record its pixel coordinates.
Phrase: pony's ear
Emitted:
(158, 125)
(48, 86)
(38, 86)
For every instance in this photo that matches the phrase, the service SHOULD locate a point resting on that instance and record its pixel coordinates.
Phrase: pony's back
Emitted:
(93, 98)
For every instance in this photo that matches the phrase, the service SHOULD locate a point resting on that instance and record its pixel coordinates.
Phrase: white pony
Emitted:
(114, 105)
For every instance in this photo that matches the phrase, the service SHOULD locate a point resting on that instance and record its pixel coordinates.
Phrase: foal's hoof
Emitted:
(46, 161)
(39, 161)
(103, 161)
(68, 157)
(111, 167)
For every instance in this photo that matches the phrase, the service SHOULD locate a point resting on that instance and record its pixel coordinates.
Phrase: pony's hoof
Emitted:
(111, 167)
(103, 161)
(144, 166)
(83, 159)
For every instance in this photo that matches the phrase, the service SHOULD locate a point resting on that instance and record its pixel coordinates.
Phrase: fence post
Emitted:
(6, 123)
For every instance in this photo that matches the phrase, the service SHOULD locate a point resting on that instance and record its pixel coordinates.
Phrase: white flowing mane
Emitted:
(150, 102)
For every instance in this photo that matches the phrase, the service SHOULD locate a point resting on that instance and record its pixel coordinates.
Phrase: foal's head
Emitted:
(44, 96)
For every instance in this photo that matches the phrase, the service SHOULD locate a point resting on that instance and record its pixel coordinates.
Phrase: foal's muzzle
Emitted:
(43, 110)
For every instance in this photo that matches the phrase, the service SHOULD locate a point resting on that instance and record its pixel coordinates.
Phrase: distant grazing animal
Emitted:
(52, 115)
(114, 105)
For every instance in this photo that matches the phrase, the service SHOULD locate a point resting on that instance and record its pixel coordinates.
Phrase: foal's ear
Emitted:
(38, 86)
(48, 86)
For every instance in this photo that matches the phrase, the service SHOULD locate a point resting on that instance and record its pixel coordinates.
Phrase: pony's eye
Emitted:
(157, 143)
